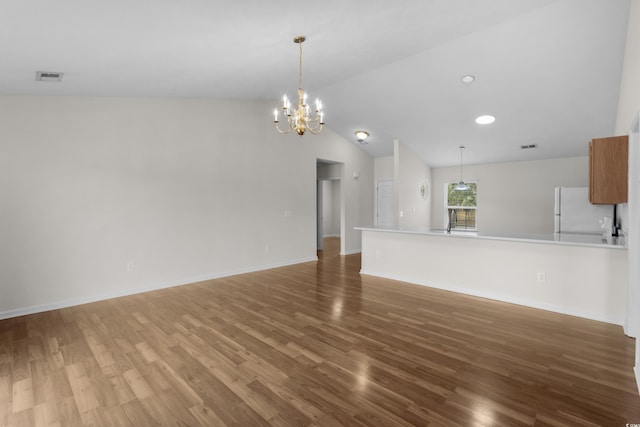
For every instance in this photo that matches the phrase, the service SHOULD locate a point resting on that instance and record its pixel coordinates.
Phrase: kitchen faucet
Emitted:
(453, 220)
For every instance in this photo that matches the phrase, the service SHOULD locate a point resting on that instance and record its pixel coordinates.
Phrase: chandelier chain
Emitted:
(300, 72)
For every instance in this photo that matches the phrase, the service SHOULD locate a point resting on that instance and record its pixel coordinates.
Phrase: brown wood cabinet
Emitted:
(608, 170)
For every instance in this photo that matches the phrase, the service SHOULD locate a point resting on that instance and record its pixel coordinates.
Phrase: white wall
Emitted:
(629, 98)
(626, 120)
(514, 197)
(178, 190)
(383, 168)
(410, 173)
(330, 171)
(632, 232)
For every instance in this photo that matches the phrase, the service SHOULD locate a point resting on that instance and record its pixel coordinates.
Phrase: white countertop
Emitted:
(588, 240)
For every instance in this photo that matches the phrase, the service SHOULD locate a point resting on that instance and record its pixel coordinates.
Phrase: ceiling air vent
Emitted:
(48, 76)
(528, 147)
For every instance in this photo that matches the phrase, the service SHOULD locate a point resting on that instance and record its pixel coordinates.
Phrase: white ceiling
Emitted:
(549, 70)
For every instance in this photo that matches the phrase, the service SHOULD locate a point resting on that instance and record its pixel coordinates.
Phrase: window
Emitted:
(461, 207)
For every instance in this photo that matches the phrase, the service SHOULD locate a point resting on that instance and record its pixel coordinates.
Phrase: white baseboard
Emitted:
(132, 291)
(353, 251)
(504, 298)
(331, 235)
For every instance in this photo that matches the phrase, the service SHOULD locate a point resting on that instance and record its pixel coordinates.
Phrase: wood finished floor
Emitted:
(312, 344)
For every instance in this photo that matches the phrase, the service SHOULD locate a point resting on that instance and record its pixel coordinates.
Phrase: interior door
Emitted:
(384, 203)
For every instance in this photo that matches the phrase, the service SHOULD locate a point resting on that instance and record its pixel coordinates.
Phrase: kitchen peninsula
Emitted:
(580, 275)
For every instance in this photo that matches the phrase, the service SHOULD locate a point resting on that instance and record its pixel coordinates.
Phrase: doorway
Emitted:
(330, 203)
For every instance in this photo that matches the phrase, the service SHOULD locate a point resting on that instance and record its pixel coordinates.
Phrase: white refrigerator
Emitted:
(575, 214)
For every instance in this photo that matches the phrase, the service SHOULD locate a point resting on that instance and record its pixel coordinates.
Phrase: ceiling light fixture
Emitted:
(487, 119)
(468, 79)
(300, 119)
(362, 136)
(461, 186)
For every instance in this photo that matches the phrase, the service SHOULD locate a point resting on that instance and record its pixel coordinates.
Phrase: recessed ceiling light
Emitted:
(468, 78)
(485, 120)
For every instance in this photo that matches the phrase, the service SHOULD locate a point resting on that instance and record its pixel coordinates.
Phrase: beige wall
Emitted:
(515, 197)
(110, 196)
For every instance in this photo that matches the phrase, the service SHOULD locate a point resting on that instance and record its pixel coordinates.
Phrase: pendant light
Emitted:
(461, 186)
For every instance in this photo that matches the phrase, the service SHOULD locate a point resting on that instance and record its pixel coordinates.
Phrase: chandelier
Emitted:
(300, 119)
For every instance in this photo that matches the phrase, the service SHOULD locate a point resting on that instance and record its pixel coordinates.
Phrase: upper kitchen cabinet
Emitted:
(608, 170)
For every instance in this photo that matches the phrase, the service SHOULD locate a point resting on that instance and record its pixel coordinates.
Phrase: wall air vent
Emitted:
(48, 76)
(528, 147)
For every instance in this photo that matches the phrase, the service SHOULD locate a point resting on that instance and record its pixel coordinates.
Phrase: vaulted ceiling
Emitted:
(549, 70)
